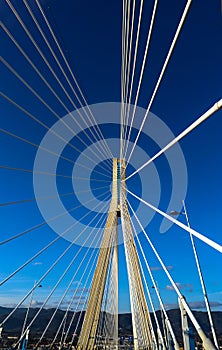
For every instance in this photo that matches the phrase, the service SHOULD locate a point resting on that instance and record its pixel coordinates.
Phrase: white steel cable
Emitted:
(46, 247)
(125, 68)
(79, 283)
(29, 200)
(80, 297)
(70, 323)
(59, 64)
(80, 314)
(131, 290)
(35, 118)
(47, 150)
(127, 64)
(39, 281)
(18, 76)
(6, 132)
(141, 75)
(176, 345)
(48, 128)
(101, 322)
(50, 68)
(201, 119)
(70, 304)
(206, 341)
(110, 307)
(203, 238)
(122, 76)
(67, 289)
(27, 58)
(203, 286)
(147, 288)
(28, 86)
(43, 223)
(72, 74)
(182, 20)
(27, 314)
(114, 300)
(144, 335)
(135, 300)
(58, 282)
(6, 167)
(104, 327)
(44, 275)
(37, 71)
(134, 296)
(82, 308)
(42, 78)
(52, 71)
(108, 242)
(22, 201)
(33, 172)
(135, 58)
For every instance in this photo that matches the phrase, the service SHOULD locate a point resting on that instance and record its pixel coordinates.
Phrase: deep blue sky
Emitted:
(90, 35)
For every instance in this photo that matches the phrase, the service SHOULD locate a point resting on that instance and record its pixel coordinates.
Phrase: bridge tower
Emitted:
(108, 254)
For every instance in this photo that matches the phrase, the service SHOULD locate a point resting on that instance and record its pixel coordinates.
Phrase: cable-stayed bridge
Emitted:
(89, 188)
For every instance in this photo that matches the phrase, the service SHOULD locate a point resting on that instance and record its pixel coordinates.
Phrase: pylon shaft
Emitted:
(88, 333)
(140, 314)
(142, 329)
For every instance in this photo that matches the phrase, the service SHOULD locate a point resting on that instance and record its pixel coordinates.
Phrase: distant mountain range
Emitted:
(14, 325)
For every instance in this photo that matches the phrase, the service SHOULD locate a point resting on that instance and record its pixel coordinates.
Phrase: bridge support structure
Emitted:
(142, 328)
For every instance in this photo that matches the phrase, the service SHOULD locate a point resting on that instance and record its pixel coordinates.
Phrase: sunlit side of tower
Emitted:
(108, 261)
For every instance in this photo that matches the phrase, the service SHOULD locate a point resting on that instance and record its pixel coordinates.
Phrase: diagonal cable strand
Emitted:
(148, 291)
(134, 61)
(48, 150)
(28, 86)
(83, 306)
(33, 172)
(21, 201)
(43, 276)
(51, 70)
(93, 265)
(49, 245)
(15, 104)
(98, 130)
(6, 167)
(201, 278)
(203, 238)
(64, 273)
(206, 341)
(176, 345)
(48, 86)
(45, 222)
(65, 293)
(64, 73)
(28, 59)
(18, 76)
(141, 76)
(180, 25)
(201, 119)
(71, 281)
(48, 107)
(126, 63)
(102, 221)
(123, 63)
(84, 289)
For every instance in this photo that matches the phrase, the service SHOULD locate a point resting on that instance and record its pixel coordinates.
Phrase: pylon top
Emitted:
(118, 177)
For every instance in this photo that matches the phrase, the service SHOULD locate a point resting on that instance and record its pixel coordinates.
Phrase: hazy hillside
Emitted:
(14, 324)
